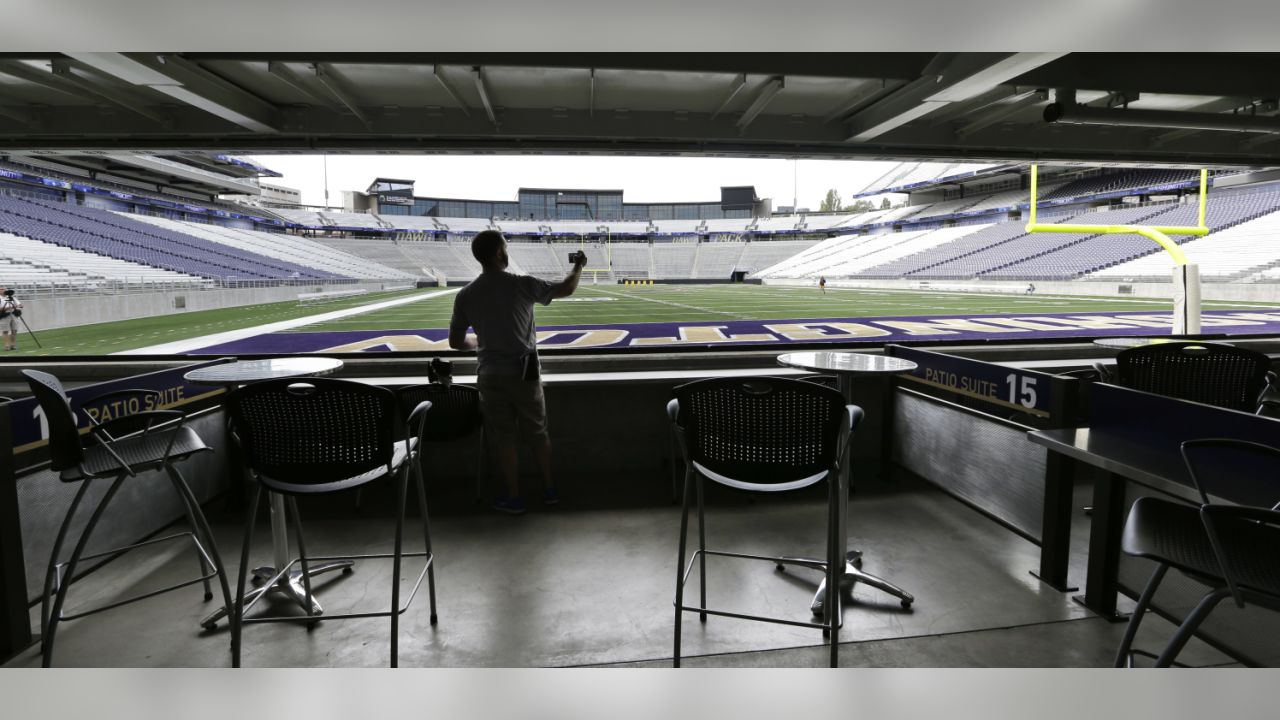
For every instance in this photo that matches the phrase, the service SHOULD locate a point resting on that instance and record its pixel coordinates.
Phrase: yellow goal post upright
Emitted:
(1186, 276)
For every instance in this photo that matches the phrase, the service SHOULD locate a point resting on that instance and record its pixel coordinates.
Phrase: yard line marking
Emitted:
(182, 346)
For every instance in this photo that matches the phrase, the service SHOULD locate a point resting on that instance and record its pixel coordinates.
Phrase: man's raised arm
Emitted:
(566, 287)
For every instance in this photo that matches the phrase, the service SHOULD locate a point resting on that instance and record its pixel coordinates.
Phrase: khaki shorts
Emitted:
(9, 325)
(512, 405)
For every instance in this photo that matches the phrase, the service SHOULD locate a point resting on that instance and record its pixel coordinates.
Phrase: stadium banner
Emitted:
(1004, 387)
(30, 431)
(730, 333)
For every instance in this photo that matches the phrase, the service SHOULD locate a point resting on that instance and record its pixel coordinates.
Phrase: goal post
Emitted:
(1186, 275)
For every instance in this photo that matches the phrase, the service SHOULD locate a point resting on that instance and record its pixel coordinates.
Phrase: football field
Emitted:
(671, 309)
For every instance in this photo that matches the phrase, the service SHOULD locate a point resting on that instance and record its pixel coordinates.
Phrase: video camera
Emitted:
(578, 258)
(441, 371)
(8, 307)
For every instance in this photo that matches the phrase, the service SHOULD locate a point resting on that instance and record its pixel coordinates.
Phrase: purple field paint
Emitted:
(775, 332)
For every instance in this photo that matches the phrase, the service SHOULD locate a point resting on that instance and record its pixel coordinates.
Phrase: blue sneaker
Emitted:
(550, 497)
(510, 506)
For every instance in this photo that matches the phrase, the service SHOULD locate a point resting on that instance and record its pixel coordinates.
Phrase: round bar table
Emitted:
(243, 372)
(1131, 342)
(847, 366)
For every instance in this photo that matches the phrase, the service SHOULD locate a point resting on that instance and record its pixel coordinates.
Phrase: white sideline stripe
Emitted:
(182, 346)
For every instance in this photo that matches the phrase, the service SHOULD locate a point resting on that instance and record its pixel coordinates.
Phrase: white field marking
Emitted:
(673, 304)
(182, 346)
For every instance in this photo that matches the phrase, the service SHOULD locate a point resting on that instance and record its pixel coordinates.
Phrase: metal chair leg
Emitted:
(1131, 629)
(482, 466)
(210, 542)
(195, 532)
(291, 503)
(55, 614)
(1190, 624)
(684, 532)
(426, 536)
(401, 491)
(47, 598)
(237, 610)
(702, 546)
(835, 566)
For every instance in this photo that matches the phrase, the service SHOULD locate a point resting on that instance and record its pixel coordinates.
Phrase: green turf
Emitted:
(109, 337)
(601, 304)
(592, 304)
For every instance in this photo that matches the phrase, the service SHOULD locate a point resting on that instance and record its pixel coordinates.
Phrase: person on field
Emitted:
(822, 285)
(498, 305)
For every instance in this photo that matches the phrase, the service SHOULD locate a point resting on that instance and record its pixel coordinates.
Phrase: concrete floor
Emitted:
(576, 586)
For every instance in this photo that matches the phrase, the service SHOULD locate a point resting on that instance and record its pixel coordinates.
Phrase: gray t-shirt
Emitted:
(499, 305)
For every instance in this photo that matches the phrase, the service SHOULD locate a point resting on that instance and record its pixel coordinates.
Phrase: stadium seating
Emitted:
(1235, 252)
(716, 260)
(27, 263)
(672, 261)
(1118, 181)
(106, 233)
(280, 245)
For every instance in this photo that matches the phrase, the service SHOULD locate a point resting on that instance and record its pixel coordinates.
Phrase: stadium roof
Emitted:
(1185, 108)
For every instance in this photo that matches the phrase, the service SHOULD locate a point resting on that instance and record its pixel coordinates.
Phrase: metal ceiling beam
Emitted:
(17, 115)
(324, 73)
(869, 65)
(591, 97)
(286, 75)
(739, 82)
(187, 83)
(63, 71)
(1083, 115)
(1220, 105)
(865, 92)
(1012, 106)
(949, 78)
(477, 73)
(768, 92)
(435, 72)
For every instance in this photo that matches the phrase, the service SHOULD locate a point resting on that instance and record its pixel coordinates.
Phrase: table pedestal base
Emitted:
(290, 585)
(852, 574)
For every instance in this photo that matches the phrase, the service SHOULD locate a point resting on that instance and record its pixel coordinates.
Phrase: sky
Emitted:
(642, 179)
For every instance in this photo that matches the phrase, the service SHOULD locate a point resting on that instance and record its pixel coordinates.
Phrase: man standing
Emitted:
(499, 306)
(9, 318)
(822, 284)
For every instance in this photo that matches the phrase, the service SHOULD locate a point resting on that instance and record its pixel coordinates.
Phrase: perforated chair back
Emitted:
(455, 410)
(65, 450)
(1221, 375)
(314, 431)
(761, 431)
(1245, 540)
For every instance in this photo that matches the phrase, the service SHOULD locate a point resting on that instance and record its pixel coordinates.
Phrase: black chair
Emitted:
(121, 448)
(455, 415)
(321, 436)
(1210, 373)
(828, 381)
(1230, 548)
(762, 435)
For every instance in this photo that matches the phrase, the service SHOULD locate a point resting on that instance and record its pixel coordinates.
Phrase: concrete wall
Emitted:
(1245, 292)
(47, 313)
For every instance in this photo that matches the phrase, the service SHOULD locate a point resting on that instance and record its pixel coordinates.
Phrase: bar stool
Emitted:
(761, 434)
(322, 436)
(1230, 548)
(455, 415)
(154, 445)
